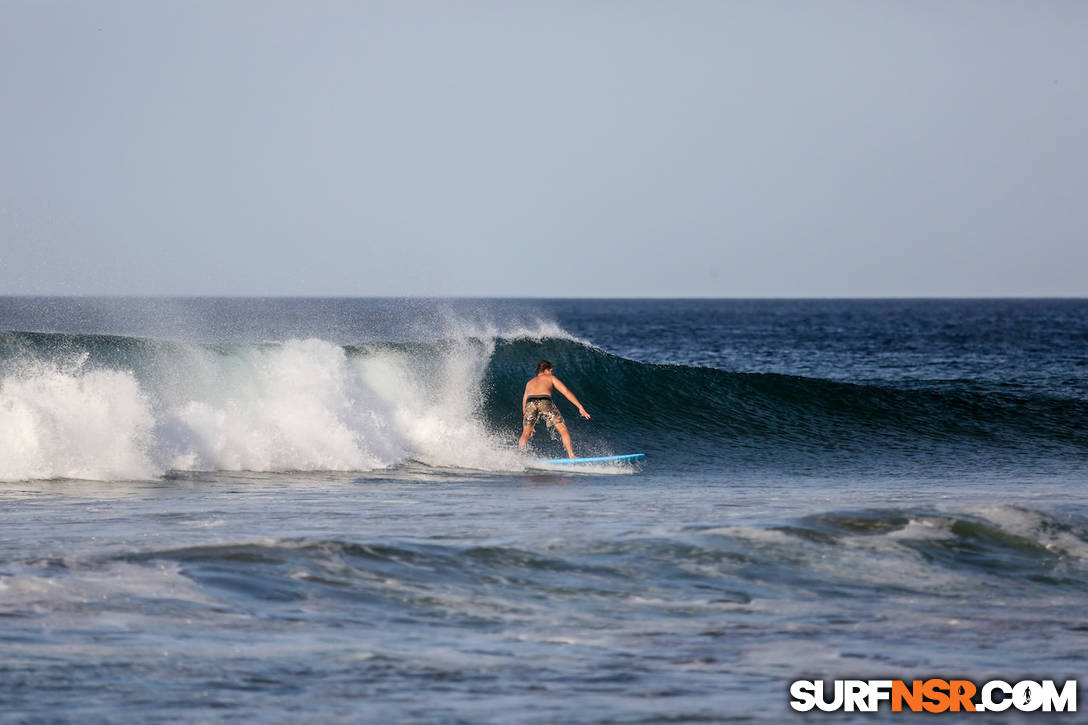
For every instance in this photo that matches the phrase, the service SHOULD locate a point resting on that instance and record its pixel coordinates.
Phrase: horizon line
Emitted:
(532, 298)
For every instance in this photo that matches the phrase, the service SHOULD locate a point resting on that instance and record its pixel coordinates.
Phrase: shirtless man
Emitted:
(537, 403)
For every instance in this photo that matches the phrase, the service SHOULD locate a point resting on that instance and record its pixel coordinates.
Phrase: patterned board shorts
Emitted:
(537, 409)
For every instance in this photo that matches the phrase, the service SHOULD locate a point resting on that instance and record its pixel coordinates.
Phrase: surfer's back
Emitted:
(540, 385)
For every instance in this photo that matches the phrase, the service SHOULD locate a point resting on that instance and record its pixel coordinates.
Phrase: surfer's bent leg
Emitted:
(562, 428)
(523, 442)
(532, 414)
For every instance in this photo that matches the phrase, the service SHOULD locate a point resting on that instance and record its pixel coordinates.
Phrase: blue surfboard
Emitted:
(599, 459)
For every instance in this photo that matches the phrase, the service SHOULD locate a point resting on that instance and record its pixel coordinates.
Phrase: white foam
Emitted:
(756, 534)
(300, 405)
(922, 529)
(602, 468)
(62, 420)
(34, 589)
(295, 406)
(875, 559)
(435, 406)
(1034, 527)
(460, 328)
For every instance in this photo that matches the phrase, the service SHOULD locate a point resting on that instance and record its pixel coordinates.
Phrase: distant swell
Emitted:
(101, 407)
(917, 553)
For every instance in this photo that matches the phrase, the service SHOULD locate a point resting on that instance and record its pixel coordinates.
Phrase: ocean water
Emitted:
(277, 510)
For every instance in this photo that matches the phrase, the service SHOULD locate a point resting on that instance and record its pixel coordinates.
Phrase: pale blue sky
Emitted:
(544, 149)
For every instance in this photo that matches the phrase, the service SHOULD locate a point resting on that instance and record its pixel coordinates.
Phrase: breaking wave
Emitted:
(109, 407)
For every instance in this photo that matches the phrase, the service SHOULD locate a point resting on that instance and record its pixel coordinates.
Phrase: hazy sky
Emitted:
(724, 149)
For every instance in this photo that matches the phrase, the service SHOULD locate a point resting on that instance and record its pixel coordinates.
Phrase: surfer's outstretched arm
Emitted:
(570, 396)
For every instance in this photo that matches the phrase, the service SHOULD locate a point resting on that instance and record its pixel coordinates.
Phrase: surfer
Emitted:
(536, 403)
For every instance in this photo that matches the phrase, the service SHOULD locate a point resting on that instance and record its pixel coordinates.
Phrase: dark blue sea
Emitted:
(313, 511)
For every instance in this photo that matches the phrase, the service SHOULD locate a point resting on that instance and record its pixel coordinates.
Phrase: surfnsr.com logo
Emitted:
(933, 695)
